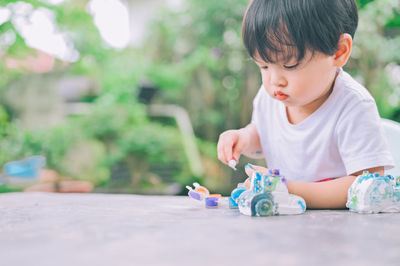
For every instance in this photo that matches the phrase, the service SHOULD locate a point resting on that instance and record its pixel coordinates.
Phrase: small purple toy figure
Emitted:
(199, 193)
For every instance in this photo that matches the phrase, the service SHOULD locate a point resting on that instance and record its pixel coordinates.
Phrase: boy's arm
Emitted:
(329, 194)
(254, 149)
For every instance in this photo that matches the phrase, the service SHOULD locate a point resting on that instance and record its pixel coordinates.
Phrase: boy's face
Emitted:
(299, 84)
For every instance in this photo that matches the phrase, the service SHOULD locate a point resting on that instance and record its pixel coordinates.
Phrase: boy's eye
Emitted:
(291, 66)
(264, 67)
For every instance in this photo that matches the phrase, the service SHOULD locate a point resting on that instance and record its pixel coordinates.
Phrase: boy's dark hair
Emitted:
(289, 27)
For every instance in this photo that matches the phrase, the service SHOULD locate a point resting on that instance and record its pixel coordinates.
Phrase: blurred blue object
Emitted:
(28, 168)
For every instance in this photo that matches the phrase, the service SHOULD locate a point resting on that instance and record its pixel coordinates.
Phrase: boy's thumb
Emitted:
(236, 156)
(237, 150)
(250, 169)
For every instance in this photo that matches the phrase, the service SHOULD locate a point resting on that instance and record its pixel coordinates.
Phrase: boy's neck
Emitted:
(297, 114)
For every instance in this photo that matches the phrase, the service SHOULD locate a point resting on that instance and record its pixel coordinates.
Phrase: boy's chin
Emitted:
(289, 103)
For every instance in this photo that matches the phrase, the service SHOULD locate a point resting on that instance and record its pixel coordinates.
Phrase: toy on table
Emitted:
(232, 164)
(373, 193)
(201, 189)
(200, 193)
(194, 194)
(234, 198)
(268, 195)
(213, 200)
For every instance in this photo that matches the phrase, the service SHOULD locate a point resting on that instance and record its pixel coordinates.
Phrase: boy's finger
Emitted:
(250, 169)
(237, 150)
(221, 154)
(261, 169)
(247, 182)
(224, 148)
(227, 151)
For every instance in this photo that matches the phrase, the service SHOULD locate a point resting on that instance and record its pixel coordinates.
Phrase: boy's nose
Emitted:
(277, 79)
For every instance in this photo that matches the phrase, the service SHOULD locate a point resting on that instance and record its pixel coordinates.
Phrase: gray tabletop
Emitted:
(105, 229)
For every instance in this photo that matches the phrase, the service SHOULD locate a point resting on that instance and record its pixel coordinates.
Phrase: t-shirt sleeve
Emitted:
(361, 139)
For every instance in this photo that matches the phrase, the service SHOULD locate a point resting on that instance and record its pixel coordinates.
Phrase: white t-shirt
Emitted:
(343, 136)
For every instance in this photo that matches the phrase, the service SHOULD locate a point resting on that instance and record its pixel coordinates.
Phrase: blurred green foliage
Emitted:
(225, 79)
(115, 132)
(194, 54)
(375, 53)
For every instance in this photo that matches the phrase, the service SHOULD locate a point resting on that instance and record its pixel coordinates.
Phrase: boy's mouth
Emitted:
(280, 96)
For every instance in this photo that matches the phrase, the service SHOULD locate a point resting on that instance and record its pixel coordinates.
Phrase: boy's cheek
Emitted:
(268, 90)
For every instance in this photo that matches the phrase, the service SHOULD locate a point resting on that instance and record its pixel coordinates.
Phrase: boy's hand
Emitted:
(250, 169)
(231, 144)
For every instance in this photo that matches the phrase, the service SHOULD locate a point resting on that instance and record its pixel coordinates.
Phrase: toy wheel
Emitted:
(264, 207)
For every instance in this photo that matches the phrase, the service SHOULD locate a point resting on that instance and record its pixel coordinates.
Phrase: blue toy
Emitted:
(23, 170)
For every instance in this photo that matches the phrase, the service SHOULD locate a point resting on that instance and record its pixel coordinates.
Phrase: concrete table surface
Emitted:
(108, 229)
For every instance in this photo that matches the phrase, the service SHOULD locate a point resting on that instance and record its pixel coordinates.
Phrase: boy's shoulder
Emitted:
(349, 90)
(351, 103)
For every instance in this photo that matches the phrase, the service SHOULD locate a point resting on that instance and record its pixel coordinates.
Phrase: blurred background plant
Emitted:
(82, 102)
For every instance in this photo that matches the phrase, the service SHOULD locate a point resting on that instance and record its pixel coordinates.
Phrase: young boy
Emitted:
(311, 120)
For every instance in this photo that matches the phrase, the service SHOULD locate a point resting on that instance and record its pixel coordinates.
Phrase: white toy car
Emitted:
(268, 195)
(373, 193)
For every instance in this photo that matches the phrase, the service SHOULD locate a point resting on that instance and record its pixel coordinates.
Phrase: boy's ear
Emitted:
(343, 52)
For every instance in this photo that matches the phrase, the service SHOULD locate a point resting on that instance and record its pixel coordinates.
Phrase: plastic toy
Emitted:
(373, 193)
(212, 201)
(201, 189)
(200, 193)
(268, 195)
(232, 164)
(194, 194)
(234, 198)
(23, 171)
